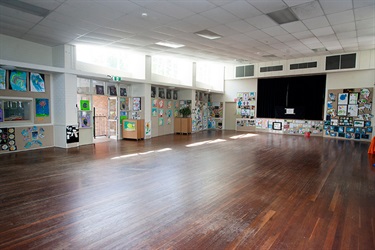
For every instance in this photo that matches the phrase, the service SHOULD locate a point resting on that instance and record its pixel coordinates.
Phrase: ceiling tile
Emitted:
(346, 27)
(261, 22)
(341, 17)
(367, 32)
(19, 15)
(268, 6)
(285, 38)
(275, 31)
(363, 3)
(333, 6)
(196, 6)
(220, 15)
(323, 31)
(294, 27)
(201, 21)
(291, 3)
(184, 26)
(316, 22)
(365, 23)
(303, 34)
(125, 7)
(344, 35)
(308, 10)
(241, 9)
(241, 26)
(328, 38)
(364, 13)
(49, 5)
(167, 8)
(224, 30)
(311, 40)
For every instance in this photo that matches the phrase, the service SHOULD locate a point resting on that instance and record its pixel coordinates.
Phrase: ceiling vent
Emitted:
(283, 16)
(305, 65)
(271, 68)
(245, 71)
(347, 61)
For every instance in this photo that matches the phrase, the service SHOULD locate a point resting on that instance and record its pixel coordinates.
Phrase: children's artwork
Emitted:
(154, 103)
(85, 119)
(112, 90)
(367, 123)
(341, 110)
(161, 121)
(161, 93)
(123, 92)
(169, 113)
(349, 129)
(169, 94)
(32, 136)
(332, 97)
(359, 123)
(357, 136)
(129, 126)
(343, 98)
(329, 105)
(148, 128)
(161, 104)
(3, 74)
(365, 94)
(153, 92)
(137, 104)
(18, 80)
(169, 104)
(353, 110)
(169, 121)
(276, 125)
(84, 104)
(161, 112)
(334, 122)
(99, 89)
(176, 105)
(353, 98)
(1, 115)
(72, 134)
(365, 136)
(42, 107)
(154, 112)
(175, 95)
(37, 82)
(369, 129)
(124, 103)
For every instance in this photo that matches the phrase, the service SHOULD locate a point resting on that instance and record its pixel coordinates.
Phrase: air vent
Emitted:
(271, 68)
(341, 62)
(245, 71)
(269, 56)
(303, 65)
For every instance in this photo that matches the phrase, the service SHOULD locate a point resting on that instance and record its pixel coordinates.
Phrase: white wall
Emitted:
(233, 86)
(352, 79)
(14, 49)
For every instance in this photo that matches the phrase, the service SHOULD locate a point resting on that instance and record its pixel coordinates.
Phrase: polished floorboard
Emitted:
(208, 190)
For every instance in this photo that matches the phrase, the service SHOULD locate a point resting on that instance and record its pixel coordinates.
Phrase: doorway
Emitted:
(230, 116)
(101, 118)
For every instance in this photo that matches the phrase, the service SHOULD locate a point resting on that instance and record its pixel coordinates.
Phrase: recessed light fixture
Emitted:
(25, 7)
(283, 16)
(170, 45)
(208, 34)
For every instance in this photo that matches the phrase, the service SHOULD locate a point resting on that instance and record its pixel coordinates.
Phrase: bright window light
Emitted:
(210, 76)
(243, 136)
(173, 68)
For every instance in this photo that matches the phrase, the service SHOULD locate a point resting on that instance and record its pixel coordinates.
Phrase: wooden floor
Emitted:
(209, 190)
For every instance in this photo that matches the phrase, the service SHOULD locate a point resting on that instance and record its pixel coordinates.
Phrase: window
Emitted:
(16, 110)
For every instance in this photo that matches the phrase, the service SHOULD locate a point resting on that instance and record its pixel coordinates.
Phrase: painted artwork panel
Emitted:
(37, 83)
(129, 126)
(161, 103)
(353, 98)
(341, 110)
(161, 121)
(353, 110)
(169, 104)
(72, 134)
(85, 120)
(123, 92)
(137, 104)
(148, 128)
(154, 111)
(42, 107)
(3, 74)
(99, 89)
(18, 80)
(84, 104)
(161, 112)
(343, 98)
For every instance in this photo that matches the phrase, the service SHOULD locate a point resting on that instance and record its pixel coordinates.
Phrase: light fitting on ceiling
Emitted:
(170, 45)
(283, 16)
(319, 50)
(25, 7)
(208, 34)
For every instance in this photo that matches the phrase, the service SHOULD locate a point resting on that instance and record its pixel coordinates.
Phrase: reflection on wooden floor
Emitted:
(209, 190)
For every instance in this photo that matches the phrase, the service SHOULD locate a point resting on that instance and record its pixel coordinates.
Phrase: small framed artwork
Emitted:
(334, 122)
(99, 89)
(18, 80)
(369, 129)
(123, 92)
(367, 123)
(137, 104)
(276, 125)
(350, 130)
(37, 82)
(112, 90)
(343, 98)
(348, 135)
(353, 98)
(357, 136)
(341, 130)
(341, 135)
(341, 110)
(333, 134)
(169, 94)
(153, 92)
(359, 124)
(357, 130)
(3, 74)
(84, 104)
(161, 93)
(353, 110)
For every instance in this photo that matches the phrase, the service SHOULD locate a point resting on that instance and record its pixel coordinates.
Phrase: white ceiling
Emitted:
(248, 34)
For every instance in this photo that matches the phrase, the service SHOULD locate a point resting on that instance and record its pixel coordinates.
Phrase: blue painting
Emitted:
(42, 107)
(17, 80)
(3, 73)
(37, 82)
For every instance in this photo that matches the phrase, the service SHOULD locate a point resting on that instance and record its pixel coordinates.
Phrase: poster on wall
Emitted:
(8, 139)
(353, 98)
(343, 98)
(161, 93)
(112, 90)
(33, 136)
(123, 92)
(85, 119)
(42, 107)
(84, 104)
(18, 80)
(3, 74)
(99, 89)
(72, 134)
(341, 110)
(137, 104)
(161, 121)
(169, 94)
(37, 82)
(154, 112)
(353, 110)
(153, 92)
(175, 95)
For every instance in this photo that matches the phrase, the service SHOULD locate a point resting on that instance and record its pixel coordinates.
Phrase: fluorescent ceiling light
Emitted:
(208, 34)
(283, 16)
(170, 45)
(25, 7)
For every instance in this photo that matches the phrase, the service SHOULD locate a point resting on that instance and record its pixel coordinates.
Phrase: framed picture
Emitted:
(175, 95)
(334, 122)
(3, 74)
(99, 89)
(276, 125)
(123, 92)
(353, 98)
(353, 110)
(37, 82)
(84, 104)
(137, 104)
(169, 94)
(350, 130)
(153, 92)
(367, 123)
(365, 136)
(18, 80)
(341, 110)
(343, 98)
(42, 107)
(359, 124)
(112, 90)
(368, 129)
(161, 93)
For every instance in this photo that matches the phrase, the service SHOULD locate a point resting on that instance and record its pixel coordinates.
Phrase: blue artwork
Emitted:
(37, 82)
(1, 115)
(42, 107)
(32, 136)
(17, 80)
(3, 73)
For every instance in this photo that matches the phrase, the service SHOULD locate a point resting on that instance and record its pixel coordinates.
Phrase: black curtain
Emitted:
(305, 94)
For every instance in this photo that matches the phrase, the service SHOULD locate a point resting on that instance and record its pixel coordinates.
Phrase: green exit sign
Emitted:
(116, 78)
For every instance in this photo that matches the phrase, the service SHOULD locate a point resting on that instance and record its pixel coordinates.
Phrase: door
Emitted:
(112, 118)
(230, 116)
